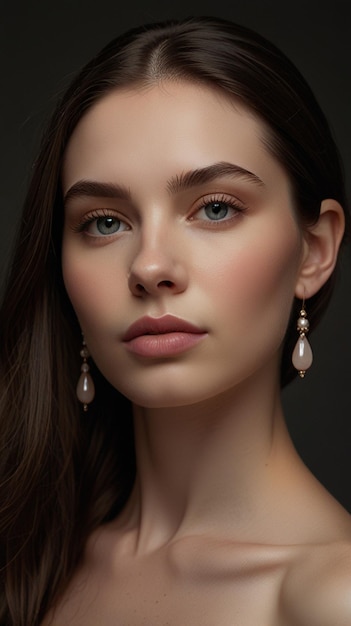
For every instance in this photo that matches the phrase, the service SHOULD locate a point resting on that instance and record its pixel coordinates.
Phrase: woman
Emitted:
(180, 236)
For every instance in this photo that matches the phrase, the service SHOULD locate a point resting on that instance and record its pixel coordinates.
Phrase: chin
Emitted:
(157, 395)
(173, 395)
(162, 400)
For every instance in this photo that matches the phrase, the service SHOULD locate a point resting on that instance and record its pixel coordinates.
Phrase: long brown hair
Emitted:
(62, 472)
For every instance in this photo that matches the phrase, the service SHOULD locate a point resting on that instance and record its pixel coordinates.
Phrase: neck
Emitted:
(210, 467)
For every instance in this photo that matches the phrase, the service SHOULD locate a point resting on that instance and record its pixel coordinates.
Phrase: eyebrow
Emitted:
(95, 189)
(176, 184)
(210, 173)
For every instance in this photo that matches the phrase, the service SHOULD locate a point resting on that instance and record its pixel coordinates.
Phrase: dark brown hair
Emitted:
(64, 473)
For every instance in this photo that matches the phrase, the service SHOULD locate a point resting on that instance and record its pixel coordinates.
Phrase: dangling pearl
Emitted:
(303, 323)
(302, 356)
(85, 387)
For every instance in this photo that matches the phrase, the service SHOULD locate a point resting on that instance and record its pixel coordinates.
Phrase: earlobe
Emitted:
(321, 242)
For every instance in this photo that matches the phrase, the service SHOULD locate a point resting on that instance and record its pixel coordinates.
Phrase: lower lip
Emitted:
(164, 345)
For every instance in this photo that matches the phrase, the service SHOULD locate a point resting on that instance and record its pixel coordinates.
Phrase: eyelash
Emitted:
(230, 203)
(90, 218)
(204, 202)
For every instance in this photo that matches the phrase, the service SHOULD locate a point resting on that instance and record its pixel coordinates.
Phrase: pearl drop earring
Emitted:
(302, 356)
(85, 387)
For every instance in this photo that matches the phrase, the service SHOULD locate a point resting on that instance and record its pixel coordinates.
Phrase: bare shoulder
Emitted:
(317, 587)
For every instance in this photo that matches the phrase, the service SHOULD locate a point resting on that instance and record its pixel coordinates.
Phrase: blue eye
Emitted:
(107, 225)
(216, 210)
(98, 224)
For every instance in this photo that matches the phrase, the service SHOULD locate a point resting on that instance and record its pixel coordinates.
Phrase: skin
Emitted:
(225, 524)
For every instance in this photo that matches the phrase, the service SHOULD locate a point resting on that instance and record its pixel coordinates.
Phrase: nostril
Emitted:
(140, 288)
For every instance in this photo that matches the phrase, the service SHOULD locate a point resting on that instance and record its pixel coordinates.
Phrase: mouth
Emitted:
(162, 337)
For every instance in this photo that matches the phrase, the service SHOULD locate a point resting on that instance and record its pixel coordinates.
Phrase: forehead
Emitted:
(173, 106)
(170, 126)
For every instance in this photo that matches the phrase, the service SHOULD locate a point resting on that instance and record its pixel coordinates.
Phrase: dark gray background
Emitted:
(44, 43)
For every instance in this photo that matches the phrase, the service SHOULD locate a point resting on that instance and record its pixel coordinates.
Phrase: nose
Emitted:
(158, 267)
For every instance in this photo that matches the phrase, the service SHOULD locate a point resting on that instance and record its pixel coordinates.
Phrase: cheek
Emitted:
(257, 284)
(92, 285)
(269, 273)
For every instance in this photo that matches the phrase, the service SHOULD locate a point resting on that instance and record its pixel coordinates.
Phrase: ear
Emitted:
(321, 247)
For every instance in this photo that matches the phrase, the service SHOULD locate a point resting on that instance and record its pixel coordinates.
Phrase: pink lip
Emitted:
(162, 336)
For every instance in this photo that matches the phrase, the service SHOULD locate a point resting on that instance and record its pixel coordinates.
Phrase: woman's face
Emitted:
(175, 208)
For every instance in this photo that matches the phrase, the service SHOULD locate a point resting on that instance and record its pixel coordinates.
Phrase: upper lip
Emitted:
(158, 326)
